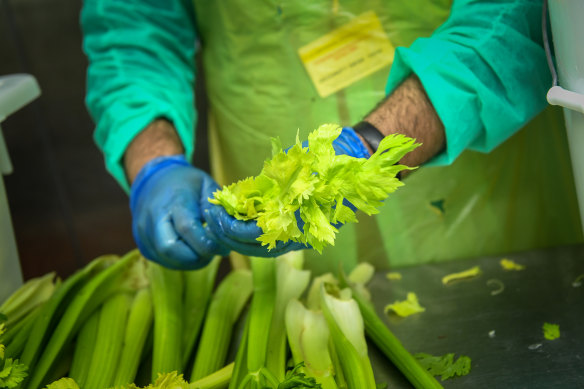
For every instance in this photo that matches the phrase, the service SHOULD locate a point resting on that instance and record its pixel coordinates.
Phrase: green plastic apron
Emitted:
(519, 197)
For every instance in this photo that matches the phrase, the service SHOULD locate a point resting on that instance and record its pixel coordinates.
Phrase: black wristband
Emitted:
(370, 134)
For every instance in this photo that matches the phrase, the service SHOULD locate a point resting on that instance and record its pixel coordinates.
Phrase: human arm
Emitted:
(158, 139)
(408, 111)
(484, 73)
(140, 81)
(141, 68)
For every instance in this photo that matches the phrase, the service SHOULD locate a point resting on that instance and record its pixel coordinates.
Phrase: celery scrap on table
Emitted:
(578, 281)
(470, 273)
(393, 276)
(314, 184)
(407, 307)
(508, 264)
(445, 365)
(551, 331)
(498, 285)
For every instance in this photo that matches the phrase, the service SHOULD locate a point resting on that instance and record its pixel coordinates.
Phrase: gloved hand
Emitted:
(241, 236)
(167, 221)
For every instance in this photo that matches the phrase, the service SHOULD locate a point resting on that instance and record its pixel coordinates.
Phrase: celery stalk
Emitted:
(240, 364)
(218, 380)
(167, 292)
(313, 298)
(15, 342)
(291, 281)
(226, 305)
(337, 368)
(84, 347)
(109, 341)
(62, 365)
(52, 311)
(308, 335)
(91, 295)
(13, 331)
(136, 334)
(198, 289)
(33, 293)
(391, 346)
(261, 310)
(347, 332)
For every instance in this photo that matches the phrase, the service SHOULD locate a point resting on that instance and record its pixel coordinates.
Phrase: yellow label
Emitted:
(347, 54)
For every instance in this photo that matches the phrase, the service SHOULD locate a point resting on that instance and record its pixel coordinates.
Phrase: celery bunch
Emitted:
(130, 323)
(314, 184)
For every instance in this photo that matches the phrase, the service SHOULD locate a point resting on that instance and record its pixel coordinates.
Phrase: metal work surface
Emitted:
(460, 315)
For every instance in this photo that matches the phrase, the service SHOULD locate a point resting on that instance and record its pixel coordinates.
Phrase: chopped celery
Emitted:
(406, 307)
(445, 365)
(551, 331)
(469, 273)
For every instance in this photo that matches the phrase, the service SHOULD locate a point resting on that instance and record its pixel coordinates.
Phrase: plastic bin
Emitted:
(568, 30)
(15, 92)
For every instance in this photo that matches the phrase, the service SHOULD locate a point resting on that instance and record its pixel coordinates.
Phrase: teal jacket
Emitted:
(484, 70)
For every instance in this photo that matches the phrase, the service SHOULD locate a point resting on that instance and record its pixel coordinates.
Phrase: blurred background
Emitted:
(66, 209)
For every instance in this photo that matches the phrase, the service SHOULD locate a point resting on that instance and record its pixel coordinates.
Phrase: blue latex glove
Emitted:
(348, 143)
(168, 226)
(241, 236)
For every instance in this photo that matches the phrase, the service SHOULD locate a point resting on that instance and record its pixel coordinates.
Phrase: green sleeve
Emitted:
(484, 70)
(141, 67)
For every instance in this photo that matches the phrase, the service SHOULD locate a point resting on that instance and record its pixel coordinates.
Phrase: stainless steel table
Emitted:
(460, 316)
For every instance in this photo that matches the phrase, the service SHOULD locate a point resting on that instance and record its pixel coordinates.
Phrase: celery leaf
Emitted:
(444, 365)
(295, 379)
(12, 374)
(63, 383)
(312, 184)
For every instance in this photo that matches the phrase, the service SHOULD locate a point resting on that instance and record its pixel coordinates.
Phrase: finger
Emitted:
(254, 248)
(208, 190)
(173, 252)
(142, 229)
(187, 221)
(224, 224)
